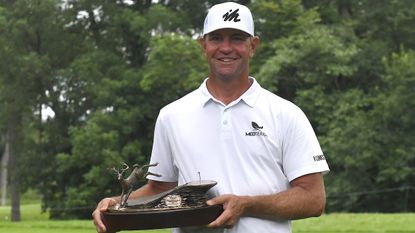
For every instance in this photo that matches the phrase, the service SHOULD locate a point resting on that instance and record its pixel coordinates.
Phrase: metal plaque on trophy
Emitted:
(182, 206)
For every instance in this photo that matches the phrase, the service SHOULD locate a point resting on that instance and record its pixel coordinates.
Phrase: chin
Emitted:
(230, 73)
(226, 77)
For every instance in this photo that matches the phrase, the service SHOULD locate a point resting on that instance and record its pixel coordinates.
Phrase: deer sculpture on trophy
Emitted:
(128, 184)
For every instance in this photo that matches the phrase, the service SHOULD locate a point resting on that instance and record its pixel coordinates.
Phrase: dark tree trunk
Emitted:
(4, 170)
(14, 171)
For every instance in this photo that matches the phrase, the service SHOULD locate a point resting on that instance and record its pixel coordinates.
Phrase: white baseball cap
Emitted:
(229, 15)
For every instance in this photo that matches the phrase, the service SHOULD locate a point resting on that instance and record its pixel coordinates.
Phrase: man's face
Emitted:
(228, 52)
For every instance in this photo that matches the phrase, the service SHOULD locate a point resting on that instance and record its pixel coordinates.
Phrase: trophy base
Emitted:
(158, 219)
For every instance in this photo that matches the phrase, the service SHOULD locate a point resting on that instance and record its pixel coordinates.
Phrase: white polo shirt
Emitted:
(255, 145)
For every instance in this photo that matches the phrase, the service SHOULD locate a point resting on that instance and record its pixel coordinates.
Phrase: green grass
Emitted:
(33, 221)
(357, 223)
(29, 212)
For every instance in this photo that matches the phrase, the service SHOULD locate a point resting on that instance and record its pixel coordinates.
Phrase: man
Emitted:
(260, 148)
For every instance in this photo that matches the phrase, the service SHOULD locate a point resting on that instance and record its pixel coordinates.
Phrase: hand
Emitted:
(234, 207)
(102, 206)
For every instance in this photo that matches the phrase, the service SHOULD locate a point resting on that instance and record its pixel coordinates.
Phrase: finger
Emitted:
(217, 200)
(218, 224)
(105, 204)
(99, 224)
(211, 202)
(227, 226)
(98, 216)
(221, 220)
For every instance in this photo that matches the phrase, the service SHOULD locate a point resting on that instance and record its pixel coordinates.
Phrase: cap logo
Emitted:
(229, 16)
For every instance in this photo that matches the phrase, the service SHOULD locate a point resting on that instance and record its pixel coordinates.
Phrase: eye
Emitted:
(215, 38)
(239, 38)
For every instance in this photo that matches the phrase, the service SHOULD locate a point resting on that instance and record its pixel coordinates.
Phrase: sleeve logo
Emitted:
(319, 158)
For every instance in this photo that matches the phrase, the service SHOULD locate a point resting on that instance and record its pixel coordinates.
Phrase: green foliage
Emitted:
(275, 20)
(366, 141)
(301, 61)
(175, 64)
(119, 104)
(395, 121)
(278, 19)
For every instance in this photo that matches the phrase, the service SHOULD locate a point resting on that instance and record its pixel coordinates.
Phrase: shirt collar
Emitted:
(249, 97)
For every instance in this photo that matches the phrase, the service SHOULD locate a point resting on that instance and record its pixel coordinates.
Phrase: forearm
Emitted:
(152, 188)
(149, 189)
(306, 198)
(295, 203)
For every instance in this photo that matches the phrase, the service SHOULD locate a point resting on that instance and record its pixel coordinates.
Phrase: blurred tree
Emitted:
(370, 141)
(23, 69)
(357, 135)
(124, 79)
(37, 45)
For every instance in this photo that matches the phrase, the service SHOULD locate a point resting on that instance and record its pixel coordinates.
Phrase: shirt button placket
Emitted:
(226, 117)
(226, 123)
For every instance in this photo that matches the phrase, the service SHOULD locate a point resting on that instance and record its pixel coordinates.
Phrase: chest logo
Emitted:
(257, 130)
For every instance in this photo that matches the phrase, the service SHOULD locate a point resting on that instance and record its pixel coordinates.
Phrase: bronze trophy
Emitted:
(184, 205)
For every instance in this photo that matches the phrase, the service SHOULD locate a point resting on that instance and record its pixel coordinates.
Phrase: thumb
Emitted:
(106, 203)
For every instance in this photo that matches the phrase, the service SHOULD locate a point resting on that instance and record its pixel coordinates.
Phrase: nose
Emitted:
(226, 46)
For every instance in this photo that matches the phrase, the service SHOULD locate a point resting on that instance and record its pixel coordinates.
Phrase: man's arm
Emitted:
(305, 198)
(151, 188)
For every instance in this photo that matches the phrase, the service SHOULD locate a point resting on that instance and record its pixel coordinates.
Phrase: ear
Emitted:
(202, 42)
(254, 43)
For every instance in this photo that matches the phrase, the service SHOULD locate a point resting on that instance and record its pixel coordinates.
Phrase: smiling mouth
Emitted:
(226, 59)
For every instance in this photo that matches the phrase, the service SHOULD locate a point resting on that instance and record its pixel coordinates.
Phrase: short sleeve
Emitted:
(162, 154)
(302, 153)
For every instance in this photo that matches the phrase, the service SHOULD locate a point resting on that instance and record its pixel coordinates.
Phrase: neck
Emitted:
(227, 91)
